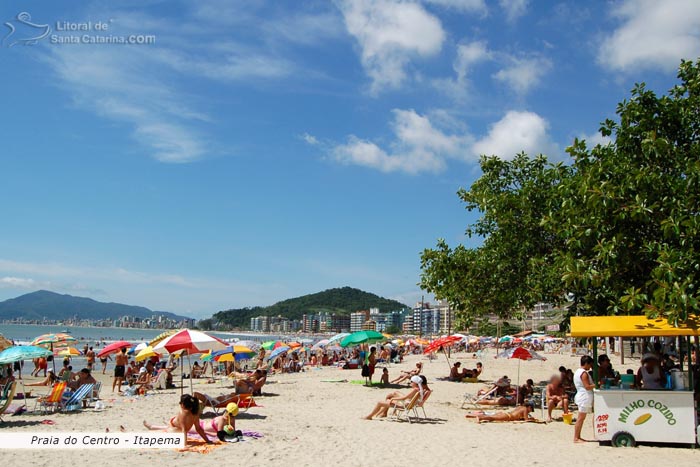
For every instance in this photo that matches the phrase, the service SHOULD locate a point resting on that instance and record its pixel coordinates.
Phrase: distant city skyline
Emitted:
(199, 156)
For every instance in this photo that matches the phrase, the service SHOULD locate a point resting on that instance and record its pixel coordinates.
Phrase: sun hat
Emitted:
(143, 369)
(232, 408)
(416, 379)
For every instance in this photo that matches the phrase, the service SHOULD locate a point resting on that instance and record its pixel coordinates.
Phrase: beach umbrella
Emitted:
(193, 342)
(51, 340)
(277, 352)
(207, 357)
(145, 353)
(252, 345)
(521, 353)
(66, 352)
(294, 345)
(320, 344)
(161, 336)
(227, 355)
(268, 345)
(338, 337)
(362, 337)
(442, 343)
(114, 347)
(22, 352)
(505, 339)
(5, 342)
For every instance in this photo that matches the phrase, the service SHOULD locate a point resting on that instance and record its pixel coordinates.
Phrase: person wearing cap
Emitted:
(649, 374)
(419, 386)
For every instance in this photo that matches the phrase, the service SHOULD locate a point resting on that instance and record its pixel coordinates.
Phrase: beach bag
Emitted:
(365, 370)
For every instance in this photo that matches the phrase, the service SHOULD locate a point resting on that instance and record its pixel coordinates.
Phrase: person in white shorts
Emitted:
(584, 395)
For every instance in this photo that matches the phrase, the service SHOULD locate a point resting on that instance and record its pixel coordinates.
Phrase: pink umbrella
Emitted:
(114, 347)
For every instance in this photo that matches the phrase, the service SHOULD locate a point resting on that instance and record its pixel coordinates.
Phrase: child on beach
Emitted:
(385, 377)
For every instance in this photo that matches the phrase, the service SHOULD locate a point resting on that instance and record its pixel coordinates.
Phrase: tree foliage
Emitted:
(511, 269)
(618, 229)
(629, 212)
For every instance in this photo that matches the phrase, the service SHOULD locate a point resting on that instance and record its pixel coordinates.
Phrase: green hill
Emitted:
(50, 305)
(342, 301)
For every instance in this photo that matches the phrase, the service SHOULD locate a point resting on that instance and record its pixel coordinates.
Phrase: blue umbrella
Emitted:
(277, 352)
(22, 352)
(230, 351)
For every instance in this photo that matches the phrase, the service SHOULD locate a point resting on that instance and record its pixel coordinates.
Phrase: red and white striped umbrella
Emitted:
(192, 341)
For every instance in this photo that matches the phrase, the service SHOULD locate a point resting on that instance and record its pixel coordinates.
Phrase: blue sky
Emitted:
(262, 150)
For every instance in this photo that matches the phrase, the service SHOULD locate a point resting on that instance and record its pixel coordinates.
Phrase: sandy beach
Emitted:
(308, 422)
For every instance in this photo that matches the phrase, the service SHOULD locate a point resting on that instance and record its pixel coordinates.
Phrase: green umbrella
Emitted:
(362, 337)
(22, 352)
(268, 345)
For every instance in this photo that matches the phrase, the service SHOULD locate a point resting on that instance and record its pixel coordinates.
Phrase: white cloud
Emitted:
(595, 139)
(17, 283)
(514, 9)
(516, 132)
(467, 56)
(418, 146)
(310, 139)
(521, 74)
(652, 34)
(465, 6)
(390, 33)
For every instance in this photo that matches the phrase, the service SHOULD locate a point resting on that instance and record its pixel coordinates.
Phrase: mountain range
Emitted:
(342, 301)
(57, 307)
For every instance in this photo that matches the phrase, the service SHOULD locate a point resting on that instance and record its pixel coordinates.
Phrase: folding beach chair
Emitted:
(95, 394)
(52, 400)
(403, 409)
(473, 400)
(75, 401)
(421, 405)
(8, 395)
(244, 401)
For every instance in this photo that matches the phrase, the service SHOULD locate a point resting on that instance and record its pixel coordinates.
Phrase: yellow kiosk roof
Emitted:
(631, 326)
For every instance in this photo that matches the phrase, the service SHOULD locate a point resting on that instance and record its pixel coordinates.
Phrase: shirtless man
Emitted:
(90, 358)
(120, 362)
(556, 396)
(518, 414)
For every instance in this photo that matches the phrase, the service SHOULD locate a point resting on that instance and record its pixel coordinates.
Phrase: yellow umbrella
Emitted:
(67, 352)
(146, 353)
(162, 336)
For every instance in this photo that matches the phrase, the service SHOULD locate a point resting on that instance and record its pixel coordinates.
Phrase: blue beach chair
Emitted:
(75, 400)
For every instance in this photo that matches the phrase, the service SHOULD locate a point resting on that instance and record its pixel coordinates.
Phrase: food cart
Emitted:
(625, 417)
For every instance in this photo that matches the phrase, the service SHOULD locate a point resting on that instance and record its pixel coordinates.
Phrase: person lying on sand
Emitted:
(220, 427)
(185, 420)
(406, 375)
(518, 414)
(419, 385)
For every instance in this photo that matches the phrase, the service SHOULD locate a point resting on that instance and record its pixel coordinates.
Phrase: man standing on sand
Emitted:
(120, 362)
(90, 358)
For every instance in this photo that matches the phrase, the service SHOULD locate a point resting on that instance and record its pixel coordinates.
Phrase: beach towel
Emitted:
(360, 381)
(200, 446)
(334, 380)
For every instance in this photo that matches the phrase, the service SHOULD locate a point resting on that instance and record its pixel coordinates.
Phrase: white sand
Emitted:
(309, 422)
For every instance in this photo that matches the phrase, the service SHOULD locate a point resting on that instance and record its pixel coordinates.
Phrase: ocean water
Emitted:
(25, 333)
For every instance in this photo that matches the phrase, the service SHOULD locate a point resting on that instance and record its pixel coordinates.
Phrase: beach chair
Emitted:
(8, 395)
(52, 400)
(244, 401)
(95, 394)
(421, 405)
(473, 400)
(403, 409)
(75, 401)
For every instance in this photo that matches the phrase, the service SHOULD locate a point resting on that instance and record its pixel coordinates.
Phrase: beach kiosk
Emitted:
(624, 417)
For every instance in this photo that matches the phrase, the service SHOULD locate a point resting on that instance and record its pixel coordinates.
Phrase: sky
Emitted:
(232, 153)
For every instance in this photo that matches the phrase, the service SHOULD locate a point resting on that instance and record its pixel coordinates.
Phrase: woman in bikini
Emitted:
(519, 414)
(186, 420)
(419, 384)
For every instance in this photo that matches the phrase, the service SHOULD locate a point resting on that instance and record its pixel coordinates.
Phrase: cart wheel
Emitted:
(622, 439)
